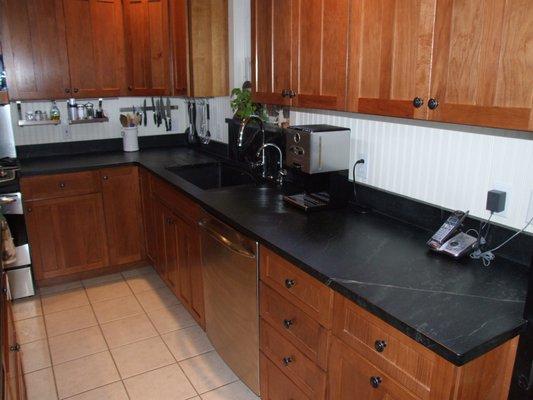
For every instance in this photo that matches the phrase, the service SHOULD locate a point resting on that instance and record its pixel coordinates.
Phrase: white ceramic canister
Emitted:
(130, 138)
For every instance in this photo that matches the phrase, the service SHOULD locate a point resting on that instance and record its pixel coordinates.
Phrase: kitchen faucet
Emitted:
(281, 172)
(240, 140)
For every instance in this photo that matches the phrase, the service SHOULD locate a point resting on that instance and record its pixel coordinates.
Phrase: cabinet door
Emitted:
(147, 47)
(208, 36)
(160, 218)
(172, 251)
(95, 43)
(122, 205)
(319, 66)
(179, 28)
(67, 235)
(273, 41)
(390, 56)
(482, 72)
(350, 373)
(192, 255)
(149, 222)
(35, 51)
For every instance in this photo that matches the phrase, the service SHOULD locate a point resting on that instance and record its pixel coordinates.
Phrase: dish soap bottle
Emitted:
(54, 112)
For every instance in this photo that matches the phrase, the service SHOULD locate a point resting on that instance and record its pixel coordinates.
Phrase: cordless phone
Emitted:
(445, 232)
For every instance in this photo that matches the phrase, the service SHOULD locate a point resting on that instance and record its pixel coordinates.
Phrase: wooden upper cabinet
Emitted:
(482, 72)
(390, 57)
(319, 66)
(179, 31)
(300, 52)
(272, 43)
(95, 43)
(208, 39)
(35, 52)
(122, 205)
(147, 47)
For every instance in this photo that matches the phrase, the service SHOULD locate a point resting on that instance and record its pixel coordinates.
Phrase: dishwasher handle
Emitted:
(224, 240)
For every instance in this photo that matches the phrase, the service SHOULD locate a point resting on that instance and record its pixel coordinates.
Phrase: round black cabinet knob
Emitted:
(418, 102)
(292, 94)
(433, 103)
(287, 323)
(289, 283)
(105, 177)
(62, 185)
(375, 381)
(76, 90)
(67, 90)
(380, 345)
(286, 360)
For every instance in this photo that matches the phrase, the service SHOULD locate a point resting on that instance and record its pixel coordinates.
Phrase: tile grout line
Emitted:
(109, 350)
(49, 349)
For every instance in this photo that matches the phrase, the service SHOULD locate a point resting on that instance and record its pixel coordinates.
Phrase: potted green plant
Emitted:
(242, 105)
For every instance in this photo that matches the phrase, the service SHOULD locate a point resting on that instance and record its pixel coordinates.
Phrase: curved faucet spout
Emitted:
(244, 124)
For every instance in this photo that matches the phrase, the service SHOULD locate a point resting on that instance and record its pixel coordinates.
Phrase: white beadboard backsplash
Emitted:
(219, 108)
(445, 165)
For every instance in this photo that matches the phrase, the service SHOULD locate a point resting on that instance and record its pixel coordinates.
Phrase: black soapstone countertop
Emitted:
(460, 310)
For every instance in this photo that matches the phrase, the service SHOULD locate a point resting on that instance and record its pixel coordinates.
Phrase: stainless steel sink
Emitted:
(214, 175)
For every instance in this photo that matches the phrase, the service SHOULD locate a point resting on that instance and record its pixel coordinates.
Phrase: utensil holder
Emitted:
(130, 138)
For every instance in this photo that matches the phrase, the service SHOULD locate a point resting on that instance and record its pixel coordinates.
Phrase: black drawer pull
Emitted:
(289, 283)
(62, 185)
(433, 103)
(418, 102)
(375, 381)
(15, 347)
(380, 345)
(287, 360)
(287, 323)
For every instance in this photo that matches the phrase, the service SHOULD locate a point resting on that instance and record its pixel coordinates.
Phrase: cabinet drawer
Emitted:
(60, 185)
(176, 201)
(353, 377)
(304, 372)
(300, 329)
(302, 289)
(394, 353)
(275, 385)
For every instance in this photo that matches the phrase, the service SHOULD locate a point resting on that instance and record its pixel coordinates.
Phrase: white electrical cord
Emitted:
(488, 256)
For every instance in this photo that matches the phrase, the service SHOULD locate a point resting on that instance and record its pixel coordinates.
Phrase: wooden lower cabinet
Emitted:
(83, 221)
(350, 374)
(13, 379)
(177, 250)
(275, 385)
(122, 209)
(67, 235)
(149, 215)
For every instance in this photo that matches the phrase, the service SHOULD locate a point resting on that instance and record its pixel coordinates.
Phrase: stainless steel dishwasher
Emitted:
(230, 273)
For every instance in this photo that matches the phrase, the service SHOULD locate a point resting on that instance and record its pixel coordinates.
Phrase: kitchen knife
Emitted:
(169, 116)
(155, 111)
(144, 113)
(163, 113)
(159, 119)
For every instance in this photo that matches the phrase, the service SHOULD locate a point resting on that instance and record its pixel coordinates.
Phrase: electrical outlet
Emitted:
(508, 197)
(361, 171)
(67, 134)
(530, 208)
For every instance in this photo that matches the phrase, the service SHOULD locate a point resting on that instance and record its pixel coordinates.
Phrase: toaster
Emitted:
(317, 148)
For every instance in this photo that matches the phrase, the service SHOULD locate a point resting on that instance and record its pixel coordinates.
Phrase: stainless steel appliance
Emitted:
(19, 272)
(317, 148)
(230, 273)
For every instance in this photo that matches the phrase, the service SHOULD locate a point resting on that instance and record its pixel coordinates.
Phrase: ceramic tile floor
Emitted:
(118, 337)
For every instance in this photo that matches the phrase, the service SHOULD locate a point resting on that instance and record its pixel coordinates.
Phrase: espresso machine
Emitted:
(317, 157)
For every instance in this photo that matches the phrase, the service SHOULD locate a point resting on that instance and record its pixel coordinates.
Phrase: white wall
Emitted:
(441, 164)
